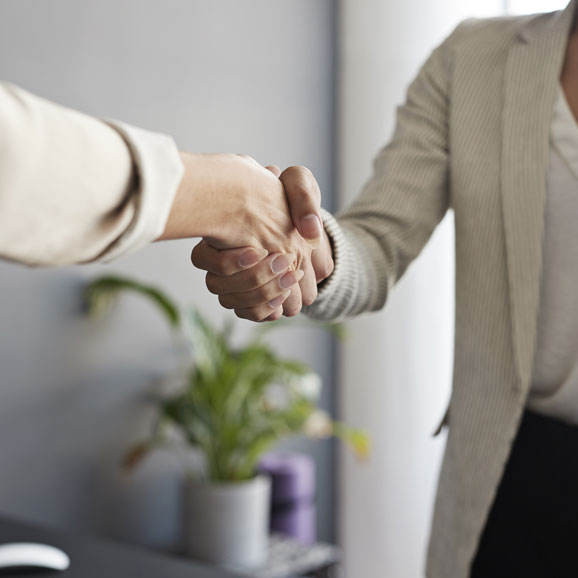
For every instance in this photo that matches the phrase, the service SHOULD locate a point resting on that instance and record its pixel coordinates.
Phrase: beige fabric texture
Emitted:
(473, 136)
(75, 189)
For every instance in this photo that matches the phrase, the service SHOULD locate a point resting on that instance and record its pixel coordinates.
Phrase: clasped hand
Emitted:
(278, 271)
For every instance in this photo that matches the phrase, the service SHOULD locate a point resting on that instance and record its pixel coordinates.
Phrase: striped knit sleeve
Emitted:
(387, 226)
(344, 282)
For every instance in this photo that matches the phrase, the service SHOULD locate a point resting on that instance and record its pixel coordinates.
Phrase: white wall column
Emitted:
(395, 368)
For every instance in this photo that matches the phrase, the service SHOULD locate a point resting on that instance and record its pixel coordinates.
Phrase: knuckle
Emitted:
(270, 291)
(211, 283)
(275, 315)
(261, 313)
(225, 301)
(195, 257)
(302, 189)
(292, 309)
(302, 171)
(309, 182)
(325, 270)
(278, 314)
(292, 312)
(248, 314)
(309, 296)
(266, 292)
(255, 278)
(303, 183)
(226, 268)
(240, 313)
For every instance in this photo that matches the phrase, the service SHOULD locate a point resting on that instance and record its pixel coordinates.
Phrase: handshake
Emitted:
(264, 246)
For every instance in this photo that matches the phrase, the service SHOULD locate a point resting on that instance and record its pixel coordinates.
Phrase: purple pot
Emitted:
(292, 494)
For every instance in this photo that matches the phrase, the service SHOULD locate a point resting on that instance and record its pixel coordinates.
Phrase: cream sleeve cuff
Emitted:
(159, 171)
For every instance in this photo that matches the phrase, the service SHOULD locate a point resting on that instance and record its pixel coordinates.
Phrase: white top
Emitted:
(554, 388)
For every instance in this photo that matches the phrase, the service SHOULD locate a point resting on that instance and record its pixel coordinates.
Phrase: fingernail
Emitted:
(282, 263)
(311, 228)
(290, 279)
(251, 257)
(278, 301)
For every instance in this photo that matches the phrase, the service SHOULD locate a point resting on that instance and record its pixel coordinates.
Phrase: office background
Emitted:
(288, 82)
(252, 77)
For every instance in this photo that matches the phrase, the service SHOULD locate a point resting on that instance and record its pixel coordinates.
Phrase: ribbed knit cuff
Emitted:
(339, 289)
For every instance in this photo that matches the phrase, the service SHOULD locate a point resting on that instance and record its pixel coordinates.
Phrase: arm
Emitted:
(259, 292)
(75, 189)
(388, 225)
(66, 183)
(374, 241)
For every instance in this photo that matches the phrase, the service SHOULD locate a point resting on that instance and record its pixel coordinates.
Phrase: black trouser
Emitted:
(532, 529)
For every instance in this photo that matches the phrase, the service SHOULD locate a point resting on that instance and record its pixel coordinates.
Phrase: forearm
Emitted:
(75, 189)
(388, 225)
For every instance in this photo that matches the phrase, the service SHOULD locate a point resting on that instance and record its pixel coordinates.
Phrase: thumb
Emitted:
(304, 200)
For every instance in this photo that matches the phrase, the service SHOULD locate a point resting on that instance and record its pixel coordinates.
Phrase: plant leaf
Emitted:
(103, 292)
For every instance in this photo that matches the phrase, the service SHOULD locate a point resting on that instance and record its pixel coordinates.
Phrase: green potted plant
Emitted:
(233, 405)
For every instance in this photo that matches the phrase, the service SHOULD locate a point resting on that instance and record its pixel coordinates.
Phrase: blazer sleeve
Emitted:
(75, 189)
(387, 226)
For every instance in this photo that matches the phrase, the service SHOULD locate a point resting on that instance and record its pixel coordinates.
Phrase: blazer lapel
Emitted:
(532, 74)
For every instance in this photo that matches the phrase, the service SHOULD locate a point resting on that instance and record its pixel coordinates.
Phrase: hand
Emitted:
(232, 201)
(256, 285)
(304, 199)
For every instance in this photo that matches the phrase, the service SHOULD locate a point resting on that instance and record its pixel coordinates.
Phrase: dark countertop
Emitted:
(97, 558)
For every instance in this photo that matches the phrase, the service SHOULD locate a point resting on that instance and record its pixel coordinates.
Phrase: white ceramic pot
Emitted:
(227, 524)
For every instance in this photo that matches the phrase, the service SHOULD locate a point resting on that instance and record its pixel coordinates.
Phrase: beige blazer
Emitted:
(473, 137)
(76, 189)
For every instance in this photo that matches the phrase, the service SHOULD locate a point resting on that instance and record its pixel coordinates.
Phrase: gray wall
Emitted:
(220, 75)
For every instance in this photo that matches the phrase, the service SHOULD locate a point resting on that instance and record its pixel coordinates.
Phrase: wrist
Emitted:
(210, 192)
(231, 201)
